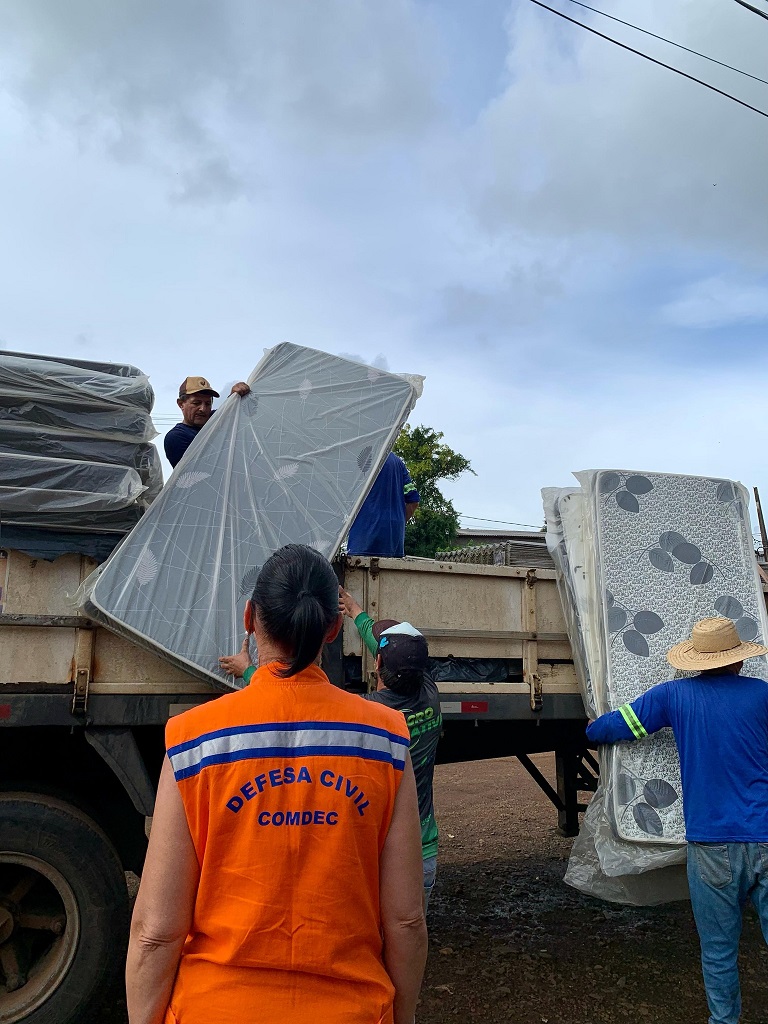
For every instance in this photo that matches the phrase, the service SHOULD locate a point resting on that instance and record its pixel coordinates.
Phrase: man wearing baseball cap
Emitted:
(402, 657)
(196, 403)
(720, 722)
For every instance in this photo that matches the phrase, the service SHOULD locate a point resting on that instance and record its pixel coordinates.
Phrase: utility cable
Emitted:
(761, 14)
(671, 42)
(653, 60)
(502, 522)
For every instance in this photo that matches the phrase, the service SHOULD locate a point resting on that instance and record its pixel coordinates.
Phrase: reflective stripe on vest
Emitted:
(287, 739)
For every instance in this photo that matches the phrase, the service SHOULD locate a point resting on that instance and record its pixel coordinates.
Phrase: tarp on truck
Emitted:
(289, 463)
(643, 556)
(49, 545)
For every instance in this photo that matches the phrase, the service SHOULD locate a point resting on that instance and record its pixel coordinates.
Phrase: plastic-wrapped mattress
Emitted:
(563, 510)
(30, 484)
(101, 420)
(289, 463)
(92, 521)
(671, 550)
(18, 439)
(75, 449)
(44, 377)
(642, 557)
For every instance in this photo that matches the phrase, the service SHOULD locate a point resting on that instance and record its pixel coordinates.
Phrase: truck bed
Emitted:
(59, 659)
(475, 612)
(55, 661)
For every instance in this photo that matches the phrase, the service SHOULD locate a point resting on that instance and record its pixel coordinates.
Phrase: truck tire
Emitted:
(63, 911)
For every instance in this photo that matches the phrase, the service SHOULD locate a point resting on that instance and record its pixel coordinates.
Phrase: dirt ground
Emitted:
(510, 943)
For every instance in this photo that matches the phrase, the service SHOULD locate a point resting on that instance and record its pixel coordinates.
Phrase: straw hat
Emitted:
(714, 643)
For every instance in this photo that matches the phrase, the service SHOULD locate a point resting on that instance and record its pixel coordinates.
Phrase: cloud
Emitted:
(521, 438)
(209, 181)
(537, 238)
(526, 287)
(718, 302)
(589, 140)
(206, 89)
(380, 361)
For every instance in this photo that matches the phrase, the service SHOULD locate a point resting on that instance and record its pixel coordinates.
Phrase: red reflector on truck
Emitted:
(469, 707)
(5, 711)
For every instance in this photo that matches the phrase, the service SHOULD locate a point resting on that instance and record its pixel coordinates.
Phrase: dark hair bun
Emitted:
(292, 574)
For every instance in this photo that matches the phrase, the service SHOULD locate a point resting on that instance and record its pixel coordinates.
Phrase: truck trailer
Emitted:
(82, 717)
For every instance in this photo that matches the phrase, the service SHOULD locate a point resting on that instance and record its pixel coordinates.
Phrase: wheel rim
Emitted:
(39, 933)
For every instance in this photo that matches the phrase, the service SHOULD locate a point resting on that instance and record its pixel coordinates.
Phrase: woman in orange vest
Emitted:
(283, 878)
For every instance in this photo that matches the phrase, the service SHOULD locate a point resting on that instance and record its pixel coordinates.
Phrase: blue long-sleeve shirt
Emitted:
(720, 725)
(379, 527)
(177, 440)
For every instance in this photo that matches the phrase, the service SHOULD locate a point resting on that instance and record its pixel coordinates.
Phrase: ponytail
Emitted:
(297, 596)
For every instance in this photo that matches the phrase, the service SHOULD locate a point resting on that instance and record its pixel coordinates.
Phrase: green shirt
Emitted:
(422, 714)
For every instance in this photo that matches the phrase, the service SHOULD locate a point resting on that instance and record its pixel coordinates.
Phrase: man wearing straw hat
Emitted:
(720, 722)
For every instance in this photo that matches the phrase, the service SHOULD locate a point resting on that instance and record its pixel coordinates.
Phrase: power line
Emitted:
(653, 60)
(502, 522)
(671, 42)
(761, 14)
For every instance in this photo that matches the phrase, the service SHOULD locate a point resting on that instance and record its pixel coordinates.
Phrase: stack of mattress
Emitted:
(75, 444)
(289, 463)
(641, 557)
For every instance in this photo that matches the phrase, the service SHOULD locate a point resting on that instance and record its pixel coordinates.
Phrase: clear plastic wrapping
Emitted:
(97, 521)
(290, 462)
(43, 378)
(671, 549)
(29, 484)
(563, 515)
(510, 552)
(75, 451)
(639, 884)
(19, 439)
(98, 420)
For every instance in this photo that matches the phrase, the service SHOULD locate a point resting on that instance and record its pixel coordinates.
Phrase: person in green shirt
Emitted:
(402, 657)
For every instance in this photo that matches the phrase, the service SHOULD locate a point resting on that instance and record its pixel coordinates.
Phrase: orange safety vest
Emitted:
(288, 788)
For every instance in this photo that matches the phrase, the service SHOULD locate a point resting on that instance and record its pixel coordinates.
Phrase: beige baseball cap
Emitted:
(194, 385)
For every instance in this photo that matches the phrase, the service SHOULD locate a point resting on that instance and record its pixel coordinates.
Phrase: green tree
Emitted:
(434, 526)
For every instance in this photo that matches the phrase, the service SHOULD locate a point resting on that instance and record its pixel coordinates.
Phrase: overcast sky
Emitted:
(570, 243)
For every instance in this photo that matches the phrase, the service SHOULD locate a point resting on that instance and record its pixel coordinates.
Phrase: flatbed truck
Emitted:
(82, 717)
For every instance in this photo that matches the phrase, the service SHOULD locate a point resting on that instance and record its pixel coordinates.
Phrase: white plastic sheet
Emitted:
(289, 463)
(565, 541)
(593, 848)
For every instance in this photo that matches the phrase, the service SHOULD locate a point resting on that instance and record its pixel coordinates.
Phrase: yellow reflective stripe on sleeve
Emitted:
(408, 488)
(636, 726)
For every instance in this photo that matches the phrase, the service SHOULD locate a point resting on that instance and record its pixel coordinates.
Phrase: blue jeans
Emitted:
(722, 878)
(430, 872)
